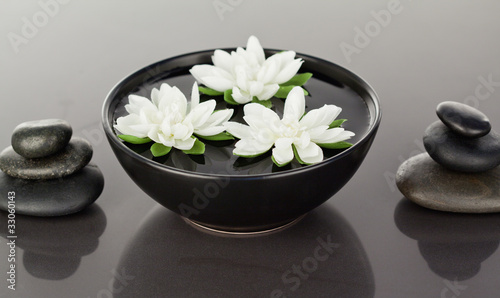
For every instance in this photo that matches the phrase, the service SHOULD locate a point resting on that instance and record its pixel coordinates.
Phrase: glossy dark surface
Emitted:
(430, 51)
(258, 201)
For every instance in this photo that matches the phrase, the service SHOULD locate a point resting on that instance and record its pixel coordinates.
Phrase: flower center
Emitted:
(290, 128)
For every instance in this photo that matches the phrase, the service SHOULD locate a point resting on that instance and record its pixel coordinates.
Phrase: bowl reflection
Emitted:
(320, 254)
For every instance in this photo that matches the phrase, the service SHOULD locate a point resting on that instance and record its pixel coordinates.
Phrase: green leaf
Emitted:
(297, 156)
(134, 140)
(159, 149)
(298, 79)
(284, 90)
(267, 103)
(209, 91)
(228, 97)
(198, 148)
(337, 123)
(338, 145)
(276, 163)
(223, 136)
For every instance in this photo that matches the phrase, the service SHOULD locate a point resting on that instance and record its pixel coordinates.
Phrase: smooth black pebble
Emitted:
(53, 197)
(462, 154)
(463, 119)
(36, 139)
(69, 160)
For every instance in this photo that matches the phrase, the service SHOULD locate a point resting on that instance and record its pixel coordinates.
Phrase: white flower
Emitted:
(247, 72)
(295, 134)
(168, 119)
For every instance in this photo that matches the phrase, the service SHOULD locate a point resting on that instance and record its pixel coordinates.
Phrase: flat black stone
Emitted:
(53, 197)
(35, 139)
(72, 158)
(463, 119)
(462, 154)
(430, 185)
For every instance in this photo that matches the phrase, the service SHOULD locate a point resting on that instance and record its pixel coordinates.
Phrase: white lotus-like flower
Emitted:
(170, 120)
(295, 134)
(247, 72)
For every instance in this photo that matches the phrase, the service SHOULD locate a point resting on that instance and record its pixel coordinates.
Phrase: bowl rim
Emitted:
(372, 129)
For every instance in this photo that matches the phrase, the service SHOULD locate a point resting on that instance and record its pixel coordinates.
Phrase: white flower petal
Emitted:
(253, 46)
(258, 116)
(153, 133)
(255, 88)
(200, 114)
(316, 132)
(268, 91)
(132, 125)
(184, 144)
(250, 147)
(217, 83)
(268, 71)
(283, 152)
(294, 104)
(333, 135)
(137, 103)
(155, 96)
(238, 130)
(223, 59)
(168, 141)
(241, 77)
(285, 57)
(219, 117)
(213, 77)
(179, 102)
(288, 71)
(181, 131)
(209, 131)
(195, 96)
(241, 97)
(310, 154)
(319, 117)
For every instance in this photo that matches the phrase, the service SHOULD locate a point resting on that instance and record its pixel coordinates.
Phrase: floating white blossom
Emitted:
(247, 73)
(295, 134)
(168, 119)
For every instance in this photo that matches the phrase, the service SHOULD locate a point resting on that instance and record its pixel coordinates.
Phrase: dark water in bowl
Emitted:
(218, 157)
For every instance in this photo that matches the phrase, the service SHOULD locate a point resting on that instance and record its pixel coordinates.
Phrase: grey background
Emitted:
(428, 52)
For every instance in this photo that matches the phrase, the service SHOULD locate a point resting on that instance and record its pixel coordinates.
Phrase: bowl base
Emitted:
(221, 232)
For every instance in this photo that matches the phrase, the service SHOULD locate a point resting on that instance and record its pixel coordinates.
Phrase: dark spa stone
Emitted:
(36, 139)
(463, 119)
(430, 185)
(53, 197)
(69, 160)
(455, 152)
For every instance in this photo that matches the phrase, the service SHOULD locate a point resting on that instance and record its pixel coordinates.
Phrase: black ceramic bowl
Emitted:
(232, 195)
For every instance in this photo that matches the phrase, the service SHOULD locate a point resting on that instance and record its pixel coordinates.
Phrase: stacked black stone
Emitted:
(462, 140)
(49, 171)
(459, 172)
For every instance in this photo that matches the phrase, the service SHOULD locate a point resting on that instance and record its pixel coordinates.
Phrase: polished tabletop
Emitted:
(59, 59)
